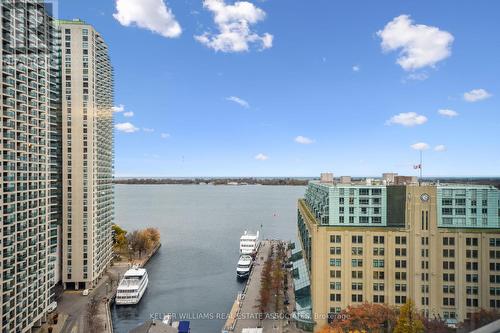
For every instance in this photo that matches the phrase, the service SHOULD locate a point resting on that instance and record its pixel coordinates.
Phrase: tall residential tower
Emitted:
(87, 136)
(29, 154)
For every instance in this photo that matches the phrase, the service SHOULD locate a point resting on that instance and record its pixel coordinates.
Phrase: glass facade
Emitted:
(348, 205)
(29, 154)
(468, 206)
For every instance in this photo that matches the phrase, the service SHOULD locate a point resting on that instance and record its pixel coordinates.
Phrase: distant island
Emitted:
(214, 181)
(291, 181)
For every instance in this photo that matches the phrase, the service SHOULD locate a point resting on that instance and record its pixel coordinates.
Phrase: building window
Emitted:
(357, 251)
(335, 274)
(357, 286)
(335, 250)
(400, 288)
(400, 299)
(449, 241)
(448, 301)
(336, 262)
(357, 262)
(335, 286)
(357, 274)
(401, 240)
(357, 239)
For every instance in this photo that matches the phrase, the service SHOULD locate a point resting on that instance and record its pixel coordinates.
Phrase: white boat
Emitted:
(132, 286)
(244, 266)
(249, 243)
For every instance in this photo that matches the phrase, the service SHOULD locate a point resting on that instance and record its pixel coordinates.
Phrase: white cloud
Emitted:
(165, 135)
(418, 76)
(128, 114)
(261, 157)
(234, 27)
(356, 68)
(126, 127)
(119, 108)
(239, 101)
(303, 140)
(420, 45)
(440, 148)
(153, 15)
(407, 119)
(448, 113)
(148, 130)
(476, 95)
(420, 146)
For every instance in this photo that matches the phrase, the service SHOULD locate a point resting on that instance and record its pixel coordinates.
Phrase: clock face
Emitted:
(425, 197)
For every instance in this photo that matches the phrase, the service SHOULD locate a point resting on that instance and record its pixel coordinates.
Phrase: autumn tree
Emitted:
(153, 234)
(121, 242)
(409, 321)
(369, 317)
(265, 286)
(116, 231)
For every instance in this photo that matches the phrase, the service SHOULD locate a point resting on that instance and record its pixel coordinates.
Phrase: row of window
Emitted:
(377, 263)
(361, 201)
(462, 211)
(461, 202)
(361, 191)
(358, 239)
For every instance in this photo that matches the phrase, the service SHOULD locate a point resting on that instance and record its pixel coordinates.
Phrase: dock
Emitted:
(245, 313)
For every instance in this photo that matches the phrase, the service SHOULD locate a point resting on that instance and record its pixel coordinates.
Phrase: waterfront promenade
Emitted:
(245, 314)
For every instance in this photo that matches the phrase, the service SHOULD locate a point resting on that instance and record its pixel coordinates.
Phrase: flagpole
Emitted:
(421, 165)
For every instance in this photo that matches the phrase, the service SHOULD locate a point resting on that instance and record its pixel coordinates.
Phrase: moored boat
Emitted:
(249, 243)
(245, 264)
(132, 286)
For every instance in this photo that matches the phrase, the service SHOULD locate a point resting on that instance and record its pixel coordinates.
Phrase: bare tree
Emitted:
(93, 321)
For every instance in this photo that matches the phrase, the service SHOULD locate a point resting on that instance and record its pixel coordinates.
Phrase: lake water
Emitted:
(194, 273)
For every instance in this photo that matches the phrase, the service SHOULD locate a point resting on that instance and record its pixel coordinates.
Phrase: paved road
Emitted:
(74, 304)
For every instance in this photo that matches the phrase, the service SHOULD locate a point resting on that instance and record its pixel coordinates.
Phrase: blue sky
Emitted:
(294, 88)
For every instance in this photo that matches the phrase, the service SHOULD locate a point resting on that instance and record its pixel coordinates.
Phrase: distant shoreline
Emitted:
(290, 181)
(214, 181)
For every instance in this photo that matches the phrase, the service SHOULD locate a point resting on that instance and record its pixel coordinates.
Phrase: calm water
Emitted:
(200, 226)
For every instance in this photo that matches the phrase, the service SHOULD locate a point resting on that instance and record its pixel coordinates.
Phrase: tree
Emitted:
(480, 318)
(409, 321)
(153, 234)
(92, 318)
(369, 317)
(121, 242)
(116, 231)
(133, 241)
(142, 242)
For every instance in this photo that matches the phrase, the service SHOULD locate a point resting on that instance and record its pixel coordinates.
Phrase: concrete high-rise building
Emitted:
(87, 146)
(437, 244)
(29, 159)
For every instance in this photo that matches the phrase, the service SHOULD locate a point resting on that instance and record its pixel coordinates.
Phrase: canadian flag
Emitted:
(417, 166)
